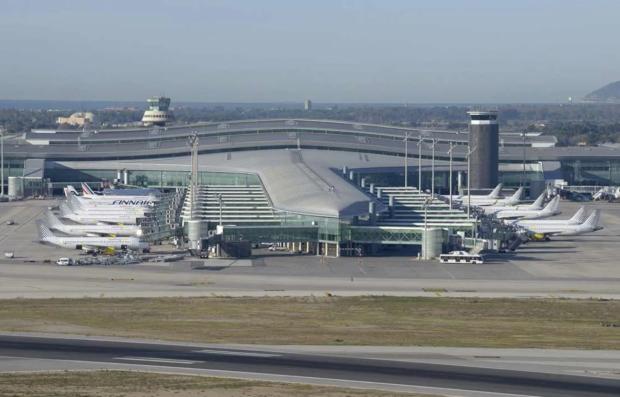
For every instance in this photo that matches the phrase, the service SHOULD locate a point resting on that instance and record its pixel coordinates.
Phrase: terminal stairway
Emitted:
(241, 205)
(407, 209)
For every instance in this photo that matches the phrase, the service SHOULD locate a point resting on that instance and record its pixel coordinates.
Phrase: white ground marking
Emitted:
(237, 353)
(158, 360)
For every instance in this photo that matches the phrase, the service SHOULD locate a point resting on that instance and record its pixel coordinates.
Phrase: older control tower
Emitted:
(158, 112)
(484, 141)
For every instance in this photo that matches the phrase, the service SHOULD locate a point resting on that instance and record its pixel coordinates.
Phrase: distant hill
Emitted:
(609, 93)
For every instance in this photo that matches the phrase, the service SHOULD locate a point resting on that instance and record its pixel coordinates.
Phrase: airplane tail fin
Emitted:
(593, 219)
(553, 205)
(87, 190)
(64, 209)
(579, 217)
(495, 193)
(45, 234)
(52, 220)
(74, 202)
(536, 205)
(516, 197)
(71, 190)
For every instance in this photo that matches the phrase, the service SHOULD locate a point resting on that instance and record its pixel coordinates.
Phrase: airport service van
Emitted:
(460, 257)
(64, 262)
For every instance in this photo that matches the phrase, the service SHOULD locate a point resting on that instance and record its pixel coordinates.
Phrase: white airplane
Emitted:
(92, 230)
(94, 218)
(95, 206)
(549, 210)
(577, 219)
(494, 195)
(502, 202)
(122, 200)
(542, 230)
(536, 205)
(81, 243)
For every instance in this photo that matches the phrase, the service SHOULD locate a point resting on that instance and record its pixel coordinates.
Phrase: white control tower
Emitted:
(158, 112)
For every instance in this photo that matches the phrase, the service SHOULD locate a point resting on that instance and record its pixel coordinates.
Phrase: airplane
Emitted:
(122, 200)
(92, 230)
(536, 205)
(82, 204)
(494, 195)
(94, 218)
(86, 243)
(502, 202)
(543, 231)
(549, 210)
(578, 218)
(125, 201)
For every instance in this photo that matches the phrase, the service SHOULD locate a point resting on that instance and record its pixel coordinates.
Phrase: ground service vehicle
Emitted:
(460, 257)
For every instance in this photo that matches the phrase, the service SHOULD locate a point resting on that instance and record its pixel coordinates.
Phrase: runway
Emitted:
(374, 373)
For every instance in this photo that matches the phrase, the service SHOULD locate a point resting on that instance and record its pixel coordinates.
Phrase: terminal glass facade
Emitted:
(591, 172)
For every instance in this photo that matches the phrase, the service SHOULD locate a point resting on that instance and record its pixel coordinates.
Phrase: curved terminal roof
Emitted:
(305, 182)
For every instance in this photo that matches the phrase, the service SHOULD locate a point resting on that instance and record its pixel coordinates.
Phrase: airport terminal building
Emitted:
(328, 186)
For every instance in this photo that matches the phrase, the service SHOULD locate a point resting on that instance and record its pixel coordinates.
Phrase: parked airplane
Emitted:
(94, 218)
(549, 210)
(85, 230)
(122, 200)
(536, 205)
(494, 195)
(505, 202)
(542, 230)
(86, 243)
(83, 204)
(577, 219)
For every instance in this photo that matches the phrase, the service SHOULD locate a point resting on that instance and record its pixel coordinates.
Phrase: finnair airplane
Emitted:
(94, 218)
(92, 230)
(95, 206)
(552, 208)
(542, 230)
(121, 200)
(536, 205)
(122, 243)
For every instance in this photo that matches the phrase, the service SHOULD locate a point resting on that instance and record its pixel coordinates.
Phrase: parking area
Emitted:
(580, 263)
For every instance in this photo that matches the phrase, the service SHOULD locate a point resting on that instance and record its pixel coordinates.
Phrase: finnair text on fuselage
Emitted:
(134, 202)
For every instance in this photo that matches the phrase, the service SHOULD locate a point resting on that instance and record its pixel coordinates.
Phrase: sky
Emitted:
(435, 51)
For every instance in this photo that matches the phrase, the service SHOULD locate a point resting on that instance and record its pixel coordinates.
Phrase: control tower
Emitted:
(484, 141)
(158, 112)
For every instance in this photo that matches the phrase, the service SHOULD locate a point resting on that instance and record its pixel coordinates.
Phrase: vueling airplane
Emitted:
(90, 242)
(92, 230)
(542, 230)
(578, 218)
(494, 195)
(552, 208)
(508, 201)
(535, 206)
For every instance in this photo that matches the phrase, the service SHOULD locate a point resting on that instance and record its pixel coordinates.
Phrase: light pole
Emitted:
(450, 172)
(523, 175)
(427, 201)
(219, 200)
(406, 159)
(469, 152)
(433, 168)
(420, 163)
(1, 162)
